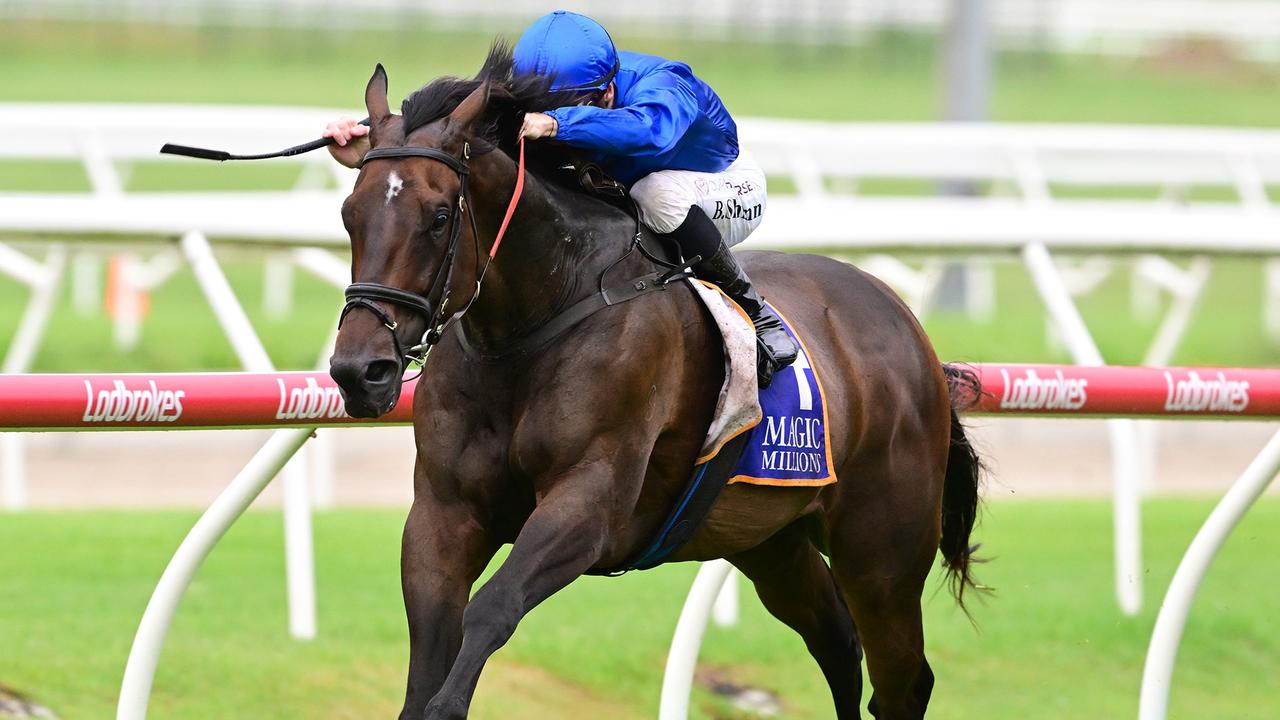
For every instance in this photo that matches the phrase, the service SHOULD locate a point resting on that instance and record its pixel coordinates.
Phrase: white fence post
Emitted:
(322, 452)
(45, 281)
(140, 670)
(1125, 458)
(682, 658)
(725, 611)
(1157, 674)
(299, 555)
(86, 283)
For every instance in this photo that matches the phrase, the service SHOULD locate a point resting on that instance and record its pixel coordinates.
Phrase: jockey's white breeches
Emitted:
(734, 198)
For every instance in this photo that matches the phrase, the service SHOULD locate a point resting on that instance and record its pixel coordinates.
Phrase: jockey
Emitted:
(655, 126)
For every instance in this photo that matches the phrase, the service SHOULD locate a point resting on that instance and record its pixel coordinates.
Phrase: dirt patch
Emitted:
(15, 705)
(740, 699)
(513, 690)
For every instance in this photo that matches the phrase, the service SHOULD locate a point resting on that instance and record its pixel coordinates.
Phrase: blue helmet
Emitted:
(573, 48)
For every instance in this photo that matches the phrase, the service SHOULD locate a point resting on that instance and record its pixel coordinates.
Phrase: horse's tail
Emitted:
(961, 486)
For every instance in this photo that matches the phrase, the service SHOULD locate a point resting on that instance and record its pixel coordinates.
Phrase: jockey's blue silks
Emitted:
(663, 118)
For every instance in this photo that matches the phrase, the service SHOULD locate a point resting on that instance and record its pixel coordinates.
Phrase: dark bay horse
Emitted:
(574, 451)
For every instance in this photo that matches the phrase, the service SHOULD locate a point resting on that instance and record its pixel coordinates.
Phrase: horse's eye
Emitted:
(441, 219)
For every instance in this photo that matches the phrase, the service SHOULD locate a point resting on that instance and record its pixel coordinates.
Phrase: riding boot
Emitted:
(698, 235)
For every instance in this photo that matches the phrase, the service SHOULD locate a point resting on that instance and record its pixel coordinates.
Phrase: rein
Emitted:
(367, 295)
(370, 296)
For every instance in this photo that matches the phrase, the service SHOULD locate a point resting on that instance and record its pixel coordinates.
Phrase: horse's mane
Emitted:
(510, 97)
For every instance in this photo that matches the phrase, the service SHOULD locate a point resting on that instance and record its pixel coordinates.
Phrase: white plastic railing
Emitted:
(1027, 161)
(1027, 218)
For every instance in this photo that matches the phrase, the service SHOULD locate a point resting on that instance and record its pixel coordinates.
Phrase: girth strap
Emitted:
(583, 309)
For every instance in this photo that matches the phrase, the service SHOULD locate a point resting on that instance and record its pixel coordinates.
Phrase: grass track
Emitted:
(1051, 643)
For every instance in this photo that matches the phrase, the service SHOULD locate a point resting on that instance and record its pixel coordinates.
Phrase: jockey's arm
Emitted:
(351, 141)
(660, 108)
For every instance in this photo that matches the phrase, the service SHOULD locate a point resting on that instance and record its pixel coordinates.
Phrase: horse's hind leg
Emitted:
(882, 547)
(795, 585)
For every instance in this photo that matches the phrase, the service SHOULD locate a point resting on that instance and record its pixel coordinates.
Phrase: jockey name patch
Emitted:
(790, 446)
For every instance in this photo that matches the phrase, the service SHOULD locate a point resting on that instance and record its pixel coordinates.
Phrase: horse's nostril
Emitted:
(346, 374)
(380, 371)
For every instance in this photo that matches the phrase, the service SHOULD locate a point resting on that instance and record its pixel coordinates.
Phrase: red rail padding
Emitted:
(1072, 391)
(256, 400)
(178, 401)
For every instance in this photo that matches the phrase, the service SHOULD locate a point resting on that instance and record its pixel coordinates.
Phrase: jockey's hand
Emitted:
(351, 141)
(538, 126)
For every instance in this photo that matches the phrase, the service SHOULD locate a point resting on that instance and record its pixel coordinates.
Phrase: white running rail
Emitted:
(1026, 217)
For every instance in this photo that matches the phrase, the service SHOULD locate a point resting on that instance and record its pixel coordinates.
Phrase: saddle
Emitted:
(594, 181)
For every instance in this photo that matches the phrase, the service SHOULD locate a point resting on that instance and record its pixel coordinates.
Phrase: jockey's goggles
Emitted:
(596, 85)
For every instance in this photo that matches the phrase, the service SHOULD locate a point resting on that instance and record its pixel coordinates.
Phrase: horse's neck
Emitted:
(553, 253)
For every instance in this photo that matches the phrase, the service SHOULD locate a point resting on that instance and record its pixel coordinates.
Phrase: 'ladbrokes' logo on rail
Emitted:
(1195, 394)
(120, 404)
(310, 402)
(1033, 392)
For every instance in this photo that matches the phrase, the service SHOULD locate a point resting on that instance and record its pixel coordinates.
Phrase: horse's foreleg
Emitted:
(443, 551)
(562, 539)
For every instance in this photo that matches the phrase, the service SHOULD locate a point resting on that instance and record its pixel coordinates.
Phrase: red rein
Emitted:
(515, 200)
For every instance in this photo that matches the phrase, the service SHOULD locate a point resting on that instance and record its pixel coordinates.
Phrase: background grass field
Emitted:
(1049, 644)
(892, 77)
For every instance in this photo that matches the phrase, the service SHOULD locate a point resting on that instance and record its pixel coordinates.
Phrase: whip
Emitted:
(223, 155)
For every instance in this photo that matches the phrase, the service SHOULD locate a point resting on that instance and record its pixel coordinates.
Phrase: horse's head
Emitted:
(414, 260)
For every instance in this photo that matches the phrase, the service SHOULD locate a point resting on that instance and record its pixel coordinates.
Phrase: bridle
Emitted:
(434, 305)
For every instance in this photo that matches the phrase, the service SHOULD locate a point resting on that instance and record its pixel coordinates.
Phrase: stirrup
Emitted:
(767, 364)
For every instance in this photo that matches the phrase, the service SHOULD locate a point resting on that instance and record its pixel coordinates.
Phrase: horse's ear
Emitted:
(469, 110)
(375, 96)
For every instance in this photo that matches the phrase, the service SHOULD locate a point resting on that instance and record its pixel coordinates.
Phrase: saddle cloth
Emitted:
(788, 442)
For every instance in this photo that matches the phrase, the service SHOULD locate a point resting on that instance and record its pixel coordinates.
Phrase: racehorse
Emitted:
(573, 444)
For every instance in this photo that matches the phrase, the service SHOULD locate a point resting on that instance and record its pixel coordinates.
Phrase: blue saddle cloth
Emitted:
(790, 445)
(788, 448)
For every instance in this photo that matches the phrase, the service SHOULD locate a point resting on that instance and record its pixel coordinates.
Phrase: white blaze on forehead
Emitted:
(394, 186)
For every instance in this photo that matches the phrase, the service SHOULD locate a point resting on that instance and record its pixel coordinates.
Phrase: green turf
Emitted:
(1050, 643)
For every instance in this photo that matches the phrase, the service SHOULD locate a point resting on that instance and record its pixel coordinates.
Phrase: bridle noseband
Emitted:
(435, 304)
